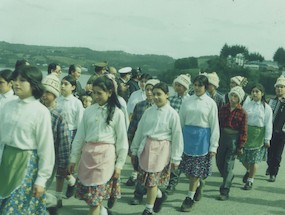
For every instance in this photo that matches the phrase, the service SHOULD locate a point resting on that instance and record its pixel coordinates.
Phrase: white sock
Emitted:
(149, 207)
(191, 195)
(58, 195)
(103, 210)
(134, 175)
(159, 193)
(71, 181)
(250, 180)
(198, 184)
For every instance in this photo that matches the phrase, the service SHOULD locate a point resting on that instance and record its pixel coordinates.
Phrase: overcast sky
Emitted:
(178, 28)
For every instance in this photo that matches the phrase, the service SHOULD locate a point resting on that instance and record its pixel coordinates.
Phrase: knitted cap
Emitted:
(213, 79)
(184, 80)
(238, 91)
(280, 81)
(238, 80)
(52, 84)
(151, 82)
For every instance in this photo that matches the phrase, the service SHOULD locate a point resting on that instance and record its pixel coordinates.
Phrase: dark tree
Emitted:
(279, 56)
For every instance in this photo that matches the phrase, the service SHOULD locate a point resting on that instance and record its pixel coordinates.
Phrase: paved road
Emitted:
(265, 198)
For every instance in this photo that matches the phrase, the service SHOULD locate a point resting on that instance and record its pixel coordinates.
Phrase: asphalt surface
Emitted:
(265, 197)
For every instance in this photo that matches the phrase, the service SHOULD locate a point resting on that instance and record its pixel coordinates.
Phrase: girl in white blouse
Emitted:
(157, 146)
(28, 156)
(259, 133)
(102, 145)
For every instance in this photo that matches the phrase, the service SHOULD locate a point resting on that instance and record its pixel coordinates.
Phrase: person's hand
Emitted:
(71, 168)
(38, 191)
(239, 151)
(266, 145)
(212, 154)
(117, 173)
(174, 166)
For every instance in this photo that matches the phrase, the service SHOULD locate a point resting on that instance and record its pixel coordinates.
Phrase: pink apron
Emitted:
(155, 156)
(97, 163)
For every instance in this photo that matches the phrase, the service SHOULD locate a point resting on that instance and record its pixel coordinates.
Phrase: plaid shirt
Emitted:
(137, 115)
(219, 99)
(176, 101)
(236, 119)
(61, 138)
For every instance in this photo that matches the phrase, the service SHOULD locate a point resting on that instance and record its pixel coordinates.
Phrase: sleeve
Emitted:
(176, 140)
(133, 125)
(64, 144)
(268, 123)
(121, 139)
(243, 130)
(45, 148)
(182, 115)
(78, 141)
(215, 128)
(138, 135)
(131, 104)
(80, 109)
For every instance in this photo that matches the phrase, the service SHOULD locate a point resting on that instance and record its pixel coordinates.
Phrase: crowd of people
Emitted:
(53, 128)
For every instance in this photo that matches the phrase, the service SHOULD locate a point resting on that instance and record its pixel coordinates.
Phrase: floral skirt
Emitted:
(94, 195)
(199, 167)
(21, 200)
(151, 179)
(254, 156)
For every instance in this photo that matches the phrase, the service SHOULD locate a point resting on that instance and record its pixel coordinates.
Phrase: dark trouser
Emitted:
(174, 177)
(140, 191)
(275, 151)
(225, 158)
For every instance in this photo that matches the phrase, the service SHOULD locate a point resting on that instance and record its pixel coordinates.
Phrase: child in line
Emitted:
(60, 134)
(6, 91)
(259, 133)
(157, 147)
(73, 109)
(86, 101)
(233, 128)
(102, 145)
(28, 156)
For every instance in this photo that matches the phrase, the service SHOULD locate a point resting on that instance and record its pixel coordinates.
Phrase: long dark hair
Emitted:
(34, 76)
(71, 80)
(107, 84)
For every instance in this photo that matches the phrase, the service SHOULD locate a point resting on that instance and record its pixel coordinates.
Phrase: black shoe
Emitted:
(111, 202)
(59, 203)
(267, 172)
(272, 178)
(146, 212)
(52, 210)
(170, 189)
(245, 177)
(248, 185)
(136, 201)
(158, 202)
(108, 211)
(223, 197)
(70, 191)
(131, 181)
(187, 204)
(199, 190)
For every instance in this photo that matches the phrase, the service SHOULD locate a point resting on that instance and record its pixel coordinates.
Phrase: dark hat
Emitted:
(101, 64)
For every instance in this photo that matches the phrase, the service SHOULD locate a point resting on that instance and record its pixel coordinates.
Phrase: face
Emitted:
(233, 84)
(148, 92)
(211, 88)
(100, 96)
(234, 100)
(256, 94)
(57, 71)
(199, 89)
(66, 88)
(76, 74)
(48, 99)
(179, 89)
(159, 97)
(87, 102)
(22, 87)
(5, 86)
(280, 90)
(142, 83)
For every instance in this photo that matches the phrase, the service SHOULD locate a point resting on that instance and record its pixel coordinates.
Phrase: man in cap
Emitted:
(100, 69)
(123, 89)
(278, 135)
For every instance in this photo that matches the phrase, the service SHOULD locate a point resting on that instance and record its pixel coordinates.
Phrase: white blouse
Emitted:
(260, 115)
(73, 110)
(160, 124)
(135, 98)
(26, 124)
(202, 111)
(93, 128)
(6, 97)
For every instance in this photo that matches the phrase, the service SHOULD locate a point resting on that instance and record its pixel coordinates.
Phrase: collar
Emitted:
(68, 97)
(8, 94)
(204, 96)
(27, 100)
